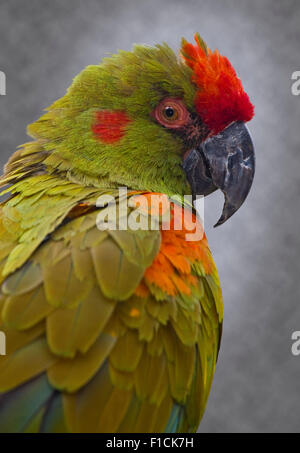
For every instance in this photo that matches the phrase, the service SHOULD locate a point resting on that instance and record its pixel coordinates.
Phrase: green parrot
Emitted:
(117, 330)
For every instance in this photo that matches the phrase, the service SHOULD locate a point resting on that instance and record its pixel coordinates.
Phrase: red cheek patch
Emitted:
(109, 126)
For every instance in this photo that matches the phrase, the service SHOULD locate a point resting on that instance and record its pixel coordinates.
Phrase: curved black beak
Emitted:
(225, 161)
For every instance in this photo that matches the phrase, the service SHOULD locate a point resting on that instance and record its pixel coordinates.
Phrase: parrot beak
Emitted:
(225, 161)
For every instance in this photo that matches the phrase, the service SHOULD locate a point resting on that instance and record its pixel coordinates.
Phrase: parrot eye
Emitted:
(171, 113)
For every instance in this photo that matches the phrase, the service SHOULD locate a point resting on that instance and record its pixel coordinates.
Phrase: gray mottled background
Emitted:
(43, 45)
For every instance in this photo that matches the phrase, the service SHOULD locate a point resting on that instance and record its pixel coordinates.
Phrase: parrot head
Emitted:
(152, 121)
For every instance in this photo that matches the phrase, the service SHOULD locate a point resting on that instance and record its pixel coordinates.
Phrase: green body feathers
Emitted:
(121, 362)
(95, 341)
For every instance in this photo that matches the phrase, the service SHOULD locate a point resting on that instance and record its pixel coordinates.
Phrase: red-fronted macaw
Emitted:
(118, 330)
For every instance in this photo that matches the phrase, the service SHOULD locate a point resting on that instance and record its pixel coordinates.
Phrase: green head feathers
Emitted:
(146, 155)
(132, 119)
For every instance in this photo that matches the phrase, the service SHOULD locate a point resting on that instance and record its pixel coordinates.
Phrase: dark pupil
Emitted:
(169, 112)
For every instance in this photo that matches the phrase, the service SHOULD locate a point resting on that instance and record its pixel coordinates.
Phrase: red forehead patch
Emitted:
(220, 98)
(109, 126)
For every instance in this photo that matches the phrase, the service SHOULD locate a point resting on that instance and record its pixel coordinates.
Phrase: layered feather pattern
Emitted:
(96, 343)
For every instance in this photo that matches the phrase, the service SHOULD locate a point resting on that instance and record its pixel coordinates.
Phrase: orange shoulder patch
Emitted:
(171, 270)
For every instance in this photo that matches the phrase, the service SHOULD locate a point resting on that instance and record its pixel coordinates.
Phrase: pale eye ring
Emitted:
(171, 113)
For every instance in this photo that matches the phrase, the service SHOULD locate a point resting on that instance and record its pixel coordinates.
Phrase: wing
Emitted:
(108, 331)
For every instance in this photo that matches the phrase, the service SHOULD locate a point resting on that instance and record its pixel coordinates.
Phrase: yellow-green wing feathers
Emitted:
(86, 351)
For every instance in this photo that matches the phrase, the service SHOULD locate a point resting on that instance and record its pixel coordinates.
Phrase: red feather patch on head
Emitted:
(220, 98)
(110, 126)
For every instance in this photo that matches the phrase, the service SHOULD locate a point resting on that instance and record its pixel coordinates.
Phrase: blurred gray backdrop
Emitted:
(43, 45)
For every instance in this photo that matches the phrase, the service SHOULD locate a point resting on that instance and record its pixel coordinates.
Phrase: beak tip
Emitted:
(228, 210)
(219, 222)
